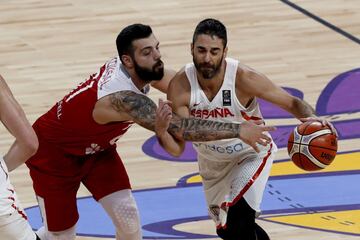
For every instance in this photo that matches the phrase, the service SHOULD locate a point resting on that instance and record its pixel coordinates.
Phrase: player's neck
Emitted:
(138, 82)
(213, 84)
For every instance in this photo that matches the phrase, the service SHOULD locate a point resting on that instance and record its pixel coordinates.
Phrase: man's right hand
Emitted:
(253, 133)
(163, 117)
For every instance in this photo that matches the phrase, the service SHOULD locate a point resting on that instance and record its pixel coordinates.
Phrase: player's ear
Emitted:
(225, 51)
(192, 49)
(127, 61)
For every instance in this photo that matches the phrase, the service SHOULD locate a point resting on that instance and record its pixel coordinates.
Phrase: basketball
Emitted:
(312, 146)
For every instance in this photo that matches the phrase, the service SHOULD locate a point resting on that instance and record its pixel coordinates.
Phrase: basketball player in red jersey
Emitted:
(13, 220)
(219, 88)
(78, 137)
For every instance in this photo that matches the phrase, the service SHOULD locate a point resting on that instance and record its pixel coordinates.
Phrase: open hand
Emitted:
(253, 133)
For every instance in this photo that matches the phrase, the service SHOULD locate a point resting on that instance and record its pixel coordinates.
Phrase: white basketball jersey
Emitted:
(225, 107)
(229, 168)
(116, 79)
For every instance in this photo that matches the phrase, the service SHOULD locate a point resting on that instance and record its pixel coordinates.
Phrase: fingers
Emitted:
(168, 102)
(317, 119)
(331, 126)
(164, 105)
(304, 119)
(323, 122)
(161, 102)
(258, 122)
(163, 112)
(163, 117)
(335, 132)
(255, 147)
(266, 138)
(333, 129)
(168, 118)
(261, 142)
(268, 128)
(310, 119)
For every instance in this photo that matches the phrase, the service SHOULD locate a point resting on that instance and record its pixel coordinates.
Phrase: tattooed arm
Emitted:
(142, 110)
(172, 131)
(128, 105)
(138, 107)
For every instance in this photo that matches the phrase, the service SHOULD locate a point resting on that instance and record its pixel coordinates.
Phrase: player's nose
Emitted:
(157, 54)
(207, 57)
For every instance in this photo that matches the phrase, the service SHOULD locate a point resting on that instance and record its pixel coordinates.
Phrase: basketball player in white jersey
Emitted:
(77, 137)
(13, 220)
(219, 88)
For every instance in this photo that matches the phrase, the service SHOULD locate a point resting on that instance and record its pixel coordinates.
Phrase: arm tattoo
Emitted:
(193, 129)
(141, 108)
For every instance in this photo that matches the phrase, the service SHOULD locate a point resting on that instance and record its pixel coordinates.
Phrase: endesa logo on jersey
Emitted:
(214, 113)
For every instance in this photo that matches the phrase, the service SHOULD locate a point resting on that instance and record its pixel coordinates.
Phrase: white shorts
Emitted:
(15, 227)
(246, 177)
(13, 220)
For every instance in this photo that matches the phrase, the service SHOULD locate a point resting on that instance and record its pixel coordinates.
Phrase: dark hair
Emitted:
(211, 27)
(128, 35)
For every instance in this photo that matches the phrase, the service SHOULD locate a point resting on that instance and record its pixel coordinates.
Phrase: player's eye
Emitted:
(146, 52)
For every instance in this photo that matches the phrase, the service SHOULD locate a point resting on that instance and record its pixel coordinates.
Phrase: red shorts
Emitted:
(57, 176)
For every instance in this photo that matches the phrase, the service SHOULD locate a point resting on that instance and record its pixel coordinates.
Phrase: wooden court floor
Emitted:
(48, 47)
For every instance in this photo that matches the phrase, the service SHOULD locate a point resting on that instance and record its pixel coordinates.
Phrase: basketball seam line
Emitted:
(309, 145)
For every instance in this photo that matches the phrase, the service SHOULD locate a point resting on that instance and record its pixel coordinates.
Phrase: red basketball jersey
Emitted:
(69, 124)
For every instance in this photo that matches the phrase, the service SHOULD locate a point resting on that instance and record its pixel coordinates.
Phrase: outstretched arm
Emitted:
(14, 119)
(172, 131)
(142, 110)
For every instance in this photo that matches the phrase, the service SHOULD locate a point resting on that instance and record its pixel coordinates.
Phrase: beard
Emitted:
(156, 73)
(208, 70)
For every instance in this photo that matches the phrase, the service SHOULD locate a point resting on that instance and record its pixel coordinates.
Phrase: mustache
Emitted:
(158, 64)
(206, 65)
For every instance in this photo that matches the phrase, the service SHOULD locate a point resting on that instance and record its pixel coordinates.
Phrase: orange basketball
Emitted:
(312, 146)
